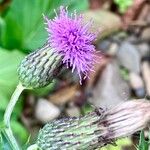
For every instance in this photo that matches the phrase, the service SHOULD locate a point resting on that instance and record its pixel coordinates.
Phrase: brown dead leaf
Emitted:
(64, 95)
(133, 12)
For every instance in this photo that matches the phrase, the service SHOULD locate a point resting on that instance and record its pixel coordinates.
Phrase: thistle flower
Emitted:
(72, 40)
(69, 42)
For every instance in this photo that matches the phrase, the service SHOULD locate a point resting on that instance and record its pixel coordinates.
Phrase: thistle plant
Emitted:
(69, 43)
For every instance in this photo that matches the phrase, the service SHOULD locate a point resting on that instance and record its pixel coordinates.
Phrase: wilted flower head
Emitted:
(72, 40)
(96, 129)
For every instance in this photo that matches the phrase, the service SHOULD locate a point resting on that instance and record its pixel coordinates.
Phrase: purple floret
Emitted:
(72, 40)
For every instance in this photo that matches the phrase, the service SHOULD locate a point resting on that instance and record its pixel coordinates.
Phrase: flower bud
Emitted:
(96, 129)
(39, 68)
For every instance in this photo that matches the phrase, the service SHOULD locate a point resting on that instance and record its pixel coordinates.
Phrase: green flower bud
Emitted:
(74, 133)
(39, 68)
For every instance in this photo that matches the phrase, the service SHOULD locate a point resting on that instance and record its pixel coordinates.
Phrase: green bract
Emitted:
(87, 132)
(39, 68)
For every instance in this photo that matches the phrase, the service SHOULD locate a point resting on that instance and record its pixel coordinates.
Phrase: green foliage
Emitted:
(143, 144)
(86, 109)
(20, 133)
(120, 143)
(8, 82)
(18, 128)
(23, 24)
(8, 74)
(123, 5)
(4, 143)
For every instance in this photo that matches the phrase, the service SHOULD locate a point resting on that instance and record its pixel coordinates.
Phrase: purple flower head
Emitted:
(72, 40)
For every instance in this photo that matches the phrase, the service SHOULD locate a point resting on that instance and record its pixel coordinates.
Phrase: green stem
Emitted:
(7, 129)
(12, 104)
(11, 139)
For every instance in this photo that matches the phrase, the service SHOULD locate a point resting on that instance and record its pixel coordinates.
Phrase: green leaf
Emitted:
(143, 144)
(123, 5)
(23, 24)
(120, 143)
(8, 74)
(86, 108)
(18, 128)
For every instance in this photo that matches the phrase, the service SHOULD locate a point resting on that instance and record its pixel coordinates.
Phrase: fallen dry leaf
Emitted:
(64, 95)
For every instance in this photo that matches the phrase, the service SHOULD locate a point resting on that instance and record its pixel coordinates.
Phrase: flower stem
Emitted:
(10, 138)
(7, 128)
(12, 104)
